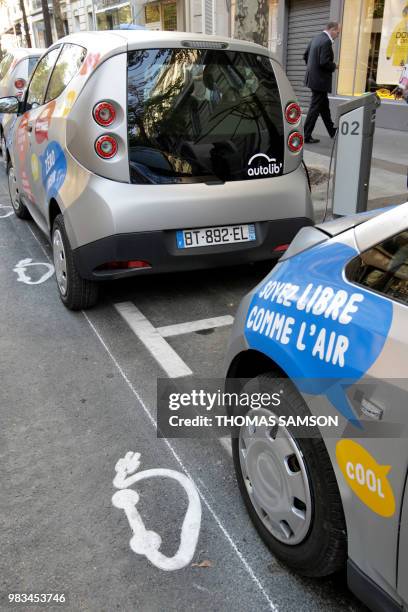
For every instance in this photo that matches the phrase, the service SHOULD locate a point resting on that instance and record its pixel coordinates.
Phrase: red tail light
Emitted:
(280, 248)
(106, 146)
(104, 113)
(293, 113)
(295, 142)
(125, 265)
(19, 83)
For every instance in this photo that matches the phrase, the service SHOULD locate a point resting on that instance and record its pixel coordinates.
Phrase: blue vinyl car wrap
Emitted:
(324, 332)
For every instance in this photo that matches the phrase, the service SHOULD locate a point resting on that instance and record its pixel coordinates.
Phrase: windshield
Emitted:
(32, 62)
(5, 65)
(202, 115)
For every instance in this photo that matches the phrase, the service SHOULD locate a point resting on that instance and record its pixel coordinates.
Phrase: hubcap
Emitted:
(276, 479)
(14, 197)
(60, 262)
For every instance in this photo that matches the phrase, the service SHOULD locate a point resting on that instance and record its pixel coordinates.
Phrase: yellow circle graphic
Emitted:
(35, 167)
(69, 102)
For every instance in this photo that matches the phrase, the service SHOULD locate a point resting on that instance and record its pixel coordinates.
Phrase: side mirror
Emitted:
(9, 105)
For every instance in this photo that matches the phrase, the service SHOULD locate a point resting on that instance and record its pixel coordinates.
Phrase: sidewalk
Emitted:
(388, 180)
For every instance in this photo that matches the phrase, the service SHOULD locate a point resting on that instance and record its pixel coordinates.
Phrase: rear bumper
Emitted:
(159, 248)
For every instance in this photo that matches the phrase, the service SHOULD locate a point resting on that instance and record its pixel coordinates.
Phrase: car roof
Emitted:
(20, 52)
(121, 40)
(382, 226)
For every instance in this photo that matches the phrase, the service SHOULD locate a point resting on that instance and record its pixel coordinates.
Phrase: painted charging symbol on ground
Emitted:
(5, 211)
(146, 542)
(32, 272)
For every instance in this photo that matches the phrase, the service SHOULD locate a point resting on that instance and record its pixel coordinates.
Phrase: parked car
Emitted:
(156, 152)
(15, 70)
(327, 330)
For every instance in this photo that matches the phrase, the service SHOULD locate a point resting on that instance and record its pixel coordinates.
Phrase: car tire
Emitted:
(322, 548)
(20, 210)
(75, 292)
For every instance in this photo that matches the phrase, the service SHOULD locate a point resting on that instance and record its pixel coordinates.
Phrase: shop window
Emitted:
(169, 16)
(113, 18)
(384, 268)
(374, 47)
(152, 13)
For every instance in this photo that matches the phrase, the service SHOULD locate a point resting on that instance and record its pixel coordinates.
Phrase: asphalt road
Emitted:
(78, 391)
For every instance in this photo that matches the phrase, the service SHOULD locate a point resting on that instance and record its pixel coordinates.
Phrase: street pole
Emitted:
(47, 22)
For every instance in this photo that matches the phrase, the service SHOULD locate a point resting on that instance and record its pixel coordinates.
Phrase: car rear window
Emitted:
(198, 115)
(5, 65)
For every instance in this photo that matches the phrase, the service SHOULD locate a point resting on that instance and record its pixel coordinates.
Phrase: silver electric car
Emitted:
(326, 483)
(15, 70)
(140, 152)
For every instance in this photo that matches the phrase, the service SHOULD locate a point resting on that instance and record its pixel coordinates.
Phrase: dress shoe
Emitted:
(311, 140)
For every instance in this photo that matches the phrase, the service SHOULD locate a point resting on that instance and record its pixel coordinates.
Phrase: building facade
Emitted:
(370, 53)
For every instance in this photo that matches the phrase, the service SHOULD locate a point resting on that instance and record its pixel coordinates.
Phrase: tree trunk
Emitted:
(47, 22)
(25, 23)
(252, 21)
(59, 22)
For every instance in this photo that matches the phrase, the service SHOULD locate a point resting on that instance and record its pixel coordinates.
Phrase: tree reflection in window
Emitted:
(200, 114)
(67, 66)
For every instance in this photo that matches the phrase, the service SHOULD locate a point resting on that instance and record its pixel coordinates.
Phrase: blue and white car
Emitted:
(327, 330)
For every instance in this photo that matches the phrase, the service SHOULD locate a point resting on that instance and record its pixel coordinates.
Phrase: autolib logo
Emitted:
(270, 168)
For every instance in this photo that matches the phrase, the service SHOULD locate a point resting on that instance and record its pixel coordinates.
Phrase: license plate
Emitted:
(210, 236)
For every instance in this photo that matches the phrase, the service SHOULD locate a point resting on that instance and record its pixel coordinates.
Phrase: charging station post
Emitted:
(354, 147)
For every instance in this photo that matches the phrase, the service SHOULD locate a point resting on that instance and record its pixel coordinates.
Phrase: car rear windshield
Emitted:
(199, 115)
(5, 65)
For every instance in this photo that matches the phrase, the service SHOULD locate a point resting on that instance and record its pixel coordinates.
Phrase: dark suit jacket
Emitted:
(319, 58)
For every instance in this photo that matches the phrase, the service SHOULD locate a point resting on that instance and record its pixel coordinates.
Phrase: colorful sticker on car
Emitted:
(321, 330)
(366, 478)
(42, 124)
(68, 103)
(22, 137)
(90, 62)
(53, 168)
(25, 183)
(35, 167)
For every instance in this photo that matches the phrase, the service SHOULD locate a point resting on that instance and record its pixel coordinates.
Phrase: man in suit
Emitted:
(319, 58)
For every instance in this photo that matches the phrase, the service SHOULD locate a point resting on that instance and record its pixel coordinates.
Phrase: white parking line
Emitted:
(192, 326)
(225, 442)
(161, 350)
